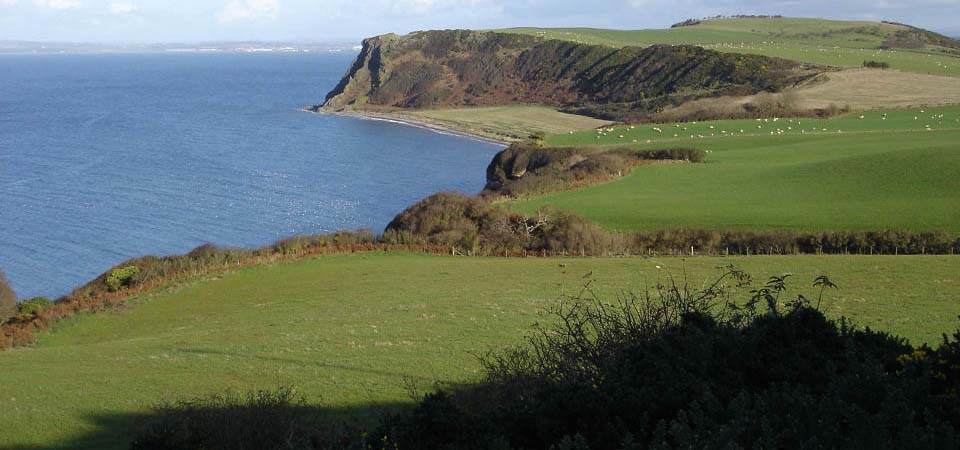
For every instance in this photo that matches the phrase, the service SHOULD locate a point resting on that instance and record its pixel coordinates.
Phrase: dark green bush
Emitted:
(876, 65)
(34, 305)
(687, 23)
(674, 154)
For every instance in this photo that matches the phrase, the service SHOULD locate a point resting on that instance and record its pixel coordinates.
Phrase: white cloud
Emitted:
(58, 4)
(248, 10)
(122, 8)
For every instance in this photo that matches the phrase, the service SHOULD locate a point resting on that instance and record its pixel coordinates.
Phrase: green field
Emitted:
(844, 173)
(347, 330)
(510, 122)
(830, 42)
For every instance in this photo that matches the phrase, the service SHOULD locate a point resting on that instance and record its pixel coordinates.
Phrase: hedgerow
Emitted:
(458, 224)
(476, 226)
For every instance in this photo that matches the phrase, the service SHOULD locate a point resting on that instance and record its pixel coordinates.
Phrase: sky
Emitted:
(147, 21)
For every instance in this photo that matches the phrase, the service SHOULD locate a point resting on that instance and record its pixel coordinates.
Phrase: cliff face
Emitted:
(435, 69)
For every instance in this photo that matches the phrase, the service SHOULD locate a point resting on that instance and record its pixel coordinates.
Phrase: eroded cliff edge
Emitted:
(462, 68)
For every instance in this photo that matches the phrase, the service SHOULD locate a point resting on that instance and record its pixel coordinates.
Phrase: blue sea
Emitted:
(107, 157)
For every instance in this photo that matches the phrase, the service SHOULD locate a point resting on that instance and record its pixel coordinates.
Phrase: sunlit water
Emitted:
(106, 157)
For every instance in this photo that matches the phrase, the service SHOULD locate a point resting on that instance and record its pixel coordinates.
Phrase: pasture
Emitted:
(887, 170)
(816, 41)
(507, 122)
(355, 330)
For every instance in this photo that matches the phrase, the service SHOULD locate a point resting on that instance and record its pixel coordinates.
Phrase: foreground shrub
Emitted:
(8, 299)
(681, 368)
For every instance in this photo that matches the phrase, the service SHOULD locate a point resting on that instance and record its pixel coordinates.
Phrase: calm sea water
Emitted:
(106, 157)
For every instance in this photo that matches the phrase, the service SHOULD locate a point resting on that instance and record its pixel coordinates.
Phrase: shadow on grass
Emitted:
(306, 362)
(242, 422)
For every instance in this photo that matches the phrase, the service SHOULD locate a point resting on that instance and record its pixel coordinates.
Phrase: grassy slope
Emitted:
(845, 173)
(347, 329)
(836, 43)
(511, 122)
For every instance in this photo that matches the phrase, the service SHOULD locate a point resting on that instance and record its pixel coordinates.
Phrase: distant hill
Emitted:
(816, 41)
(455, 68)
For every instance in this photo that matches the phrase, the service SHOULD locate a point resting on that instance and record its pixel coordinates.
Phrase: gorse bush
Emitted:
(8, 299)
(121, 277)
(34, 305)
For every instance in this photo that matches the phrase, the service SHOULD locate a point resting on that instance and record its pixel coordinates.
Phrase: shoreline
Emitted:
(403, 119)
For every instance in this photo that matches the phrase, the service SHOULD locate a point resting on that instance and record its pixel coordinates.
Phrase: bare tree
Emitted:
(529, 225)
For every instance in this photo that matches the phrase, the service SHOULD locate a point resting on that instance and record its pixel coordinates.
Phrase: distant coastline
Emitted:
(56, 48)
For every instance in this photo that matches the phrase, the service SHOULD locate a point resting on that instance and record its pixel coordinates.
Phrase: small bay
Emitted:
(110, 156)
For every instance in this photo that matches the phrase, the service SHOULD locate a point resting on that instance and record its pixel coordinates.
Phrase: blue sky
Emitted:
(323, 20)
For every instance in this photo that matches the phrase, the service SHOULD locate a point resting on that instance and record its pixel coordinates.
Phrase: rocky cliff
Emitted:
(457, 68)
